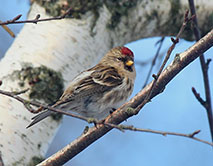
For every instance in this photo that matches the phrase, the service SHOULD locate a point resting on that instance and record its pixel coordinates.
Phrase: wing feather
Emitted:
(99, 81)
(107, 76)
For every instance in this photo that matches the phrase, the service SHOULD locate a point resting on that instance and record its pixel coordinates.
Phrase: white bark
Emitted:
(66, 46)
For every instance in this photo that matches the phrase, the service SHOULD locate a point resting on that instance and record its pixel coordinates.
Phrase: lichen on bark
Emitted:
(35, 160)
(117, 8)
(58, 7)
(45, 84)
(120, 8)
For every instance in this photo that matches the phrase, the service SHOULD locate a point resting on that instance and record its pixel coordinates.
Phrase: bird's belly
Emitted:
(97, 106)
(102, 107)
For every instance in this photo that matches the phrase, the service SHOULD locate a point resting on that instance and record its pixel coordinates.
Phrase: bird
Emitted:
(98, 91)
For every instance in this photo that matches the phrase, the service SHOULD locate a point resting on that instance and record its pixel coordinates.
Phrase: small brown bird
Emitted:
(99, 90)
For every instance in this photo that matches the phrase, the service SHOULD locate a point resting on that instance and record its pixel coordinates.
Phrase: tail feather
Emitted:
(40, 117)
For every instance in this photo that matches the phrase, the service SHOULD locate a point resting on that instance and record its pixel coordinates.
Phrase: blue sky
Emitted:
(176, 109)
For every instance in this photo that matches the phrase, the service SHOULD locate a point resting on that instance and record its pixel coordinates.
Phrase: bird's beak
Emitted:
(129, 63)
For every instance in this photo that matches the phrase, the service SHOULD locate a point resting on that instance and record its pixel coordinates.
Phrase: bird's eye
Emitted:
(120, 59)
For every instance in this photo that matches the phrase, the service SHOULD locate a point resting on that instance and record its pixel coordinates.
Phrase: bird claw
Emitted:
(112, 110)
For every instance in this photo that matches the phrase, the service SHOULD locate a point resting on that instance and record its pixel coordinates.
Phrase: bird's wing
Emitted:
(99, 80)
(107, 76)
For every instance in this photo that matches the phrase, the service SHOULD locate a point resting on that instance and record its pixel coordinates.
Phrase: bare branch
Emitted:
(20, 92)
(208, 62)
(204, 66)
(8, 30)
(28, 104)
(175, 41)
(164, 133)
(36, 19)
(154, 60)
(120, 127)
(197, 95)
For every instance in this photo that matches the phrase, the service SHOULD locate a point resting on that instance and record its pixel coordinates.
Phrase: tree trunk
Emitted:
(66, 47)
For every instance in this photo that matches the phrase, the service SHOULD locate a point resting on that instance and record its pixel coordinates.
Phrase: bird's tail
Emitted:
(40, 117)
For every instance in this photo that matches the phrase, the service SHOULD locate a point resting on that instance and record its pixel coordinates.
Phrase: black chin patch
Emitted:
(129, 68)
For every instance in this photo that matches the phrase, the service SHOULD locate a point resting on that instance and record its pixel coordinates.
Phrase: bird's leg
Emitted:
(102, 121)
(112, 110)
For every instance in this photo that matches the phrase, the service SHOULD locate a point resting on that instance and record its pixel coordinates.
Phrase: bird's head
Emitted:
(120, 57)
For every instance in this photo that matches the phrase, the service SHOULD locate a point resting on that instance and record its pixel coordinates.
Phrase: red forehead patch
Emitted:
(126, 51)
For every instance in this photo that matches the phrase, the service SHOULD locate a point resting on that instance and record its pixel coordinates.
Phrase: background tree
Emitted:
(75, 44)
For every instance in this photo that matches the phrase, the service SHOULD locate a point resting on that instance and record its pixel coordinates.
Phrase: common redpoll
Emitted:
(96, 92)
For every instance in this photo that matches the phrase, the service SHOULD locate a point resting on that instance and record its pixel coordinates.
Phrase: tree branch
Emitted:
(36, 19)
(197, 95)
(91, 120)
(174, 42)
(204, 66)
(164, 133)
(154, 60)
(8, 30)
(28, 104)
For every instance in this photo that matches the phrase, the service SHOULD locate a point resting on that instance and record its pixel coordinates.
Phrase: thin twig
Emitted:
(36, 19)
(174, 42)
(20, 92)
(8, 30)
(204, 66)
(164, 133)
(154, 60)
(197, 95)
(28, 104)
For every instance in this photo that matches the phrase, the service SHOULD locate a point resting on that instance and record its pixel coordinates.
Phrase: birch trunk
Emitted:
(69, 46)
